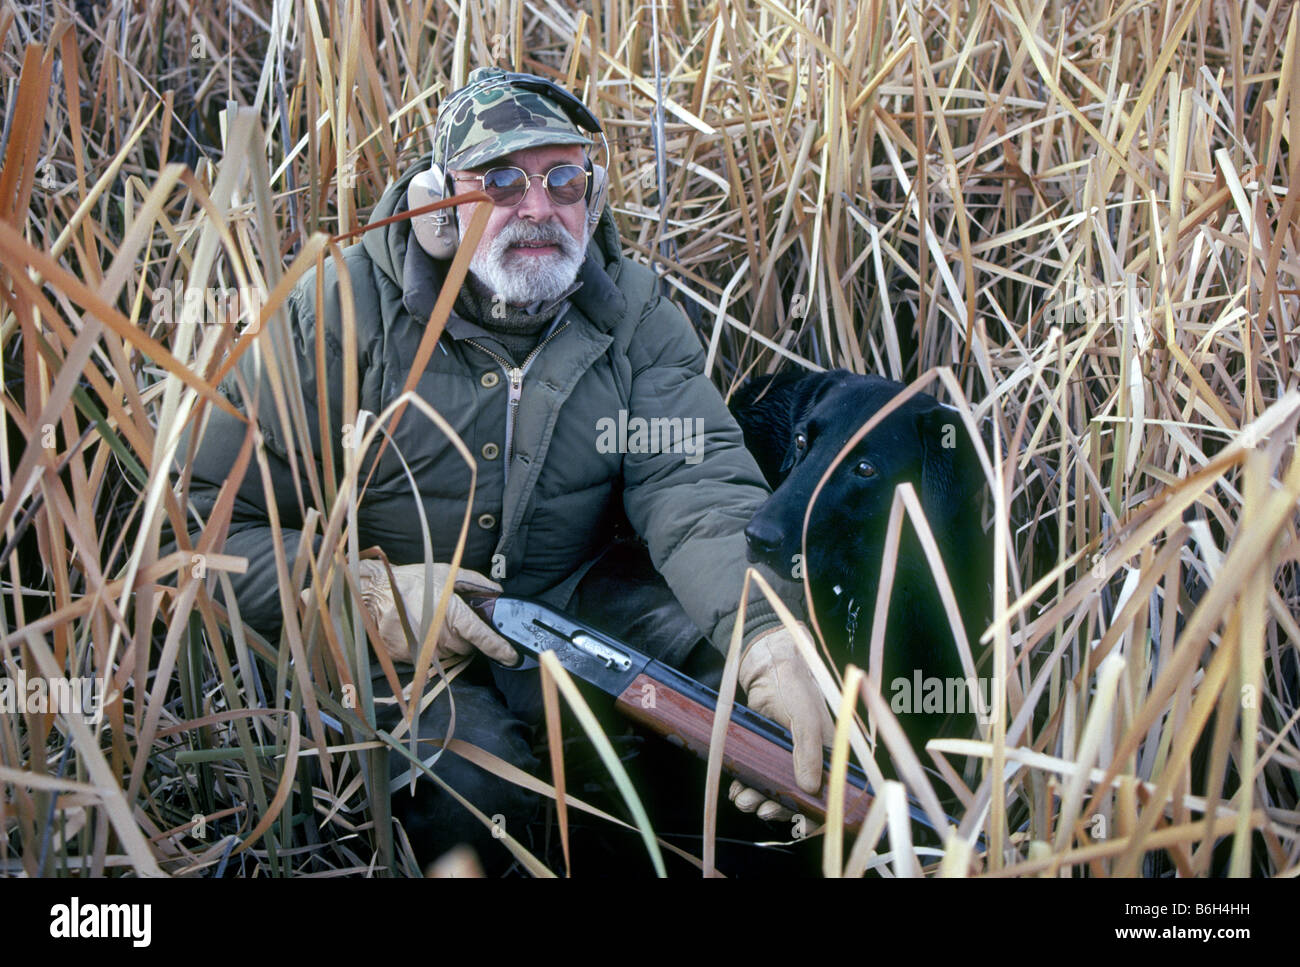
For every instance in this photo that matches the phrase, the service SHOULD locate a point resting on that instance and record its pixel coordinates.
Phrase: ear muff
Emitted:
(437, 232)
(597, 188)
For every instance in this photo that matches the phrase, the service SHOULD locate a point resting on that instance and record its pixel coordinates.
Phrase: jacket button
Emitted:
(490, 451)
(490, 379)
(487, 521)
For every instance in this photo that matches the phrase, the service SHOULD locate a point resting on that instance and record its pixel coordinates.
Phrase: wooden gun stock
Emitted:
(752, 758)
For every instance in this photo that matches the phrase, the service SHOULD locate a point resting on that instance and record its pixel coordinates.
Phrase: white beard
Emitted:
(523, 279)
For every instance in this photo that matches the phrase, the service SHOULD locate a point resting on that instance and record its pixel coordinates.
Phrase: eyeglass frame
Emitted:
(528, 181)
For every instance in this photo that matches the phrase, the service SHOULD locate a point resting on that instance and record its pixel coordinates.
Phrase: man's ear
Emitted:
(951, 476)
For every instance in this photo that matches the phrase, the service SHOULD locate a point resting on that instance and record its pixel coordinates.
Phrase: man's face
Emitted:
(534, 250)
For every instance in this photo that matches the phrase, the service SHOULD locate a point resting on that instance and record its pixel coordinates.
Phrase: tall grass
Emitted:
(1073, 219)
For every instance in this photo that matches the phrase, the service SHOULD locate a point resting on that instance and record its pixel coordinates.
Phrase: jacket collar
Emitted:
(599, 299)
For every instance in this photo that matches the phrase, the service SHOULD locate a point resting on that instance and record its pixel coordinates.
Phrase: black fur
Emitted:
(795, 424)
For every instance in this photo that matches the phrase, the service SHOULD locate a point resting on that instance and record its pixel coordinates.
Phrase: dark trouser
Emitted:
(499, 710)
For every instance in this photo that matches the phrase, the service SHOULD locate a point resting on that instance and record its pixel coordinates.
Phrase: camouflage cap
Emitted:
(490, 117)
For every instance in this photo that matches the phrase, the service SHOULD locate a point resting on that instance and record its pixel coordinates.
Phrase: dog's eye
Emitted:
(800, 442)
(864, 469)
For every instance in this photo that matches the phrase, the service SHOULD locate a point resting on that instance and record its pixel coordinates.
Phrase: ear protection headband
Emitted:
(438, 232)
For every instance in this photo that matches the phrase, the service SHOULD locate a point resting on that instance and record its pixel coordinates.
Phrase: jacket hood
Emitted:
(420, 277)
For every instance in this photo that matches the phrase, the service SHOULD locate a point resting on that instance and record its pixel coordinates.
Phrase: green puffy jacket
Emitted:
(619, 354)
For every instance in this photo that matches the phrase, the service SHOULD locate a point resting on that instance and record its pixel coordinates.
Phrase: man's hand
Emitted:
(462, 632)
(778, 684)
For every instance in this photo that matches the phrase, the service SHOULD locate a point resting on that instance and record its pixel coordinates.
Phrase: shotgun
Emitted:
(757, 750)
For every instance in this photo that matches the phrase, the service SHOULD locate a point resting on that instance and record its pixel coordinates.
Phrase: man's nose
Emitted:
(537, 204)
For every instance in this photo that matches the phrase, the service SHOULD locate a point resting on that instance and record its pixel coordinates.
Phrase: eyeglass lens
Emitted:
(566, 184)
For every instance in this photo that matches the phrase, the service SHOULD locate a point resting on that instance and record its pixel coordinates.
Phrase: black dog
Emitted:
(795, 424)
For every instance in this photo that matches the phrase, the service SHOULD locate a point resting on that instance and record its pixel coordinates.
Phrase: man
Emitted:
(553, 335)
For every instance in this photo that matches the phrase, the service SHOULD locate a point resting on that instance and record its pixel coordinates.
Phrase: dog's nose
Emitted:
(763, 540)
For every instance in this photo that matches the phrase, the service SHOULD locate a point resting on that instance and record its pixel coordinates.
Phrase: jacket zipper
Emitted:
(515, 377)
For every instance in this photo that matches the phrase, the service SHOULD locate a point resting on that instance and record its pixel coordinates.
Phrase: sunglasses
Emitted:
(507, 186)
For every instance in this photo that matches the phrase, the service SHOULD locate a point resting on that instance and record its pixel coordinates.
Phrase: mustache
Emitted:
(546, 233)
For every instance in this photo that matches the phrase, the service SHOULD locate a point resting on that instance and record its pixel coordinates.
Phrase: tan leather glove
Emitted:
(778, 684)
(462, 632)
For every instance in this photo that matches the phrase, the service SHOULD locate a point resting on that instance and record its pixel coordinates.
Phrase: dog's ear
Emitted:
(951, 476)
(767, 407)
(803, 397)
(762, 409)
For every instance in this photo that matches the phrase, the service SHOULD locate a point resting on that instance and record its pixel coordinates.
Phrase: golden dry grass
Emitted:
(1074, 218)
